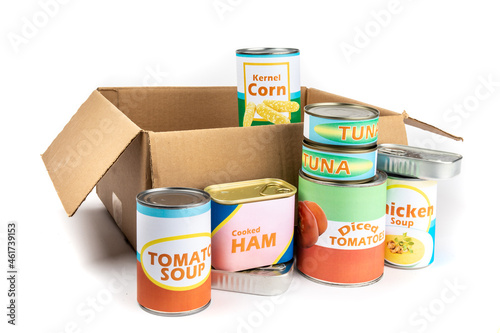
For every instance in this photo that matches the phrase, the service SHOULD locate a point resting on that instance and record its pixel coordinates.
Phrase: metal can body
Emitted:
(173, 250)
(252, 224)
(331, 163)
(269, 77)
(341, 124)
(350, 250)
(411, 222)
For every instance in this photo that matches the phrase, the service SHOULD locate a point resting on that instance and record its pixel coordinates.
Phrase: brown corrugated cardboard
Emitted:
(126, 140)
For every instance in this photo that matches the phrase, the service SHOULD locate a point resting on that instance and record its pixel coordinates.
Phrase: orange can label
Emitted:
(173, 258)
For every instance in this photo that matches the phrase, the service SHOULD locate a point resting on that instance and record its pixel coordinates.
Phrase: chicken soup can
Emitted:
(339, 164)
(252, 223)
(411, 222)
(173, 250)
(341, 230)
(411, 201)
(341, 124)
(268, 86)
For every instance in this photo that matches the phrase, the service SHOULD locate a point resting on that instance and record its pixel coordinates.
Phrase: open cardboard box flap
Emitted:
(86, 148)
(126, 140)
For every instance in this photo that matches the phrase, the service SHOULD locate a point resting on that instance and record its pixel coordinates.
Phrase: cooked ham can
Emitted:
(252, 223)
(173, 250)
(341, 231)
(339, 164)
(341, 124)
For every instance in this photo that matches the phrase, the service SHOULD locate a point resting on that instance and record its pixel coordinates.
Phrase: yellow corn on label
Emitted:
(272, 80)
(282, 106)
(249, 114)
(271, 115)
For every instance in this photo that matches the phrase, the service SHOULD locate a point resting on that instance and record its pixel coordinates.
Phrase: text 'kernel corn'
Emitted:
(249, 114)
(282, 106)
(270, 115)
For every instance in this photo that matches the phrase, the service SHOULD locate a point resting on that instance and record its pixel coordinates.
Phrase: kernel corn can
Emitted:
(333, 163)
(340, 236)
(411, 222)
(341, 124)
(252, 223)
(173, 250)
(268, 86)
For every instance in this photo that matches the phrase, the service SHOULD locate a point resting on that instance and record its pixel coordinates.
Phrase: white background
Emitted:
(438, 60)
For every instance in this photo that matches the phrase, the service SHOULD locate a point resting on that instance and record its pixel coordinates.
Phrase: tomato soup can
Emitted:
(173, 250)
(341, 231)
(252, 223)
(268, 86)
(411, 222)
(339, 164)
(341, 124)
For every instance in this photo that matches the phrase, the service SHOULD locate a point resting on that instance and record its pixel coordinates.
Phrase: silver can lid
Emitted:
(341, 111)
(173, 197)
(267, 50)
(418, 162)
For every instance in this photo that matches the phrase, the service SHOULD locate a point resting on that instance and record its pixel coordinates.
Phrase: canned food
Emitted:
(340, 237)
(341, 124)
(411, 201)
(411, 222)
(173, 250)
(268, 86)
(338, 164)
(418, 162)
(266, 281)
(252, 223)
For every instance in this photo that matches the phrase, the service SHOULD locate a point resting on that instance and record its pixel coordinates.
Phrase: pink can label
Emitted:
(253, 234)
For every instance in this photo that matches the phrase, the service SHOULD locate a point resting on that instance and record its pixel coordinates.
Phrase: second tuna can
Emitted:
(339, 164)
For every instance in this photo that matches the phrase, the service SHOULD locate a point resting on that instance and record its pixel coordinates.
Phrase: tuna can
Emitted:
(340, 237)
(268, 86)
(173, 250)
(339, 164)
(411, 201)
(252, 223)
(341, 124)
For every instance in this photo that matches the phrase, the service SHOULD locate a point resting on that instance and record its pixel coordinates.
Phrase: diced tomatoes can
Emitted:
(252, 223)
(173, 250)
(341, 231)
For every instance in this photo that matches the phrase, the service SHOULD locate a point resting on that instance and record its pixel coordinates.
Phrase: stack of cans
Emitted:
(341, 196)
(340, 142)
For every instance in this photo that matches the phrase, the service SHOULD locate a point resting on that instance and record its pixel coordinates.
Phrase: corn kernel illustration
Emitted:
(249, 114)
(269, 114)
(282, 106)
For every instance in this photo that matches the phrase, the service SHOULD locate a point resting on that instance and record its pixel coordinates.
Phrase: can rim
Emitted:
(292, 191)
(196, 193)
(379, 179)
(267, 50)
(374, 112)
(340, 149)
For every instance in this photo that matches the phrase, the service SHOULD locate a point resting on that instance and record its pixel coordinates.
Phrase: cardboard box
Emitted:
(127, 140)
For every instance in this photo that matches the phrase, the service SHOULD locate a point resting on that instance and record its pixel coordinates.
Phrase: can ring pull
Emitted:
(273, 188)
